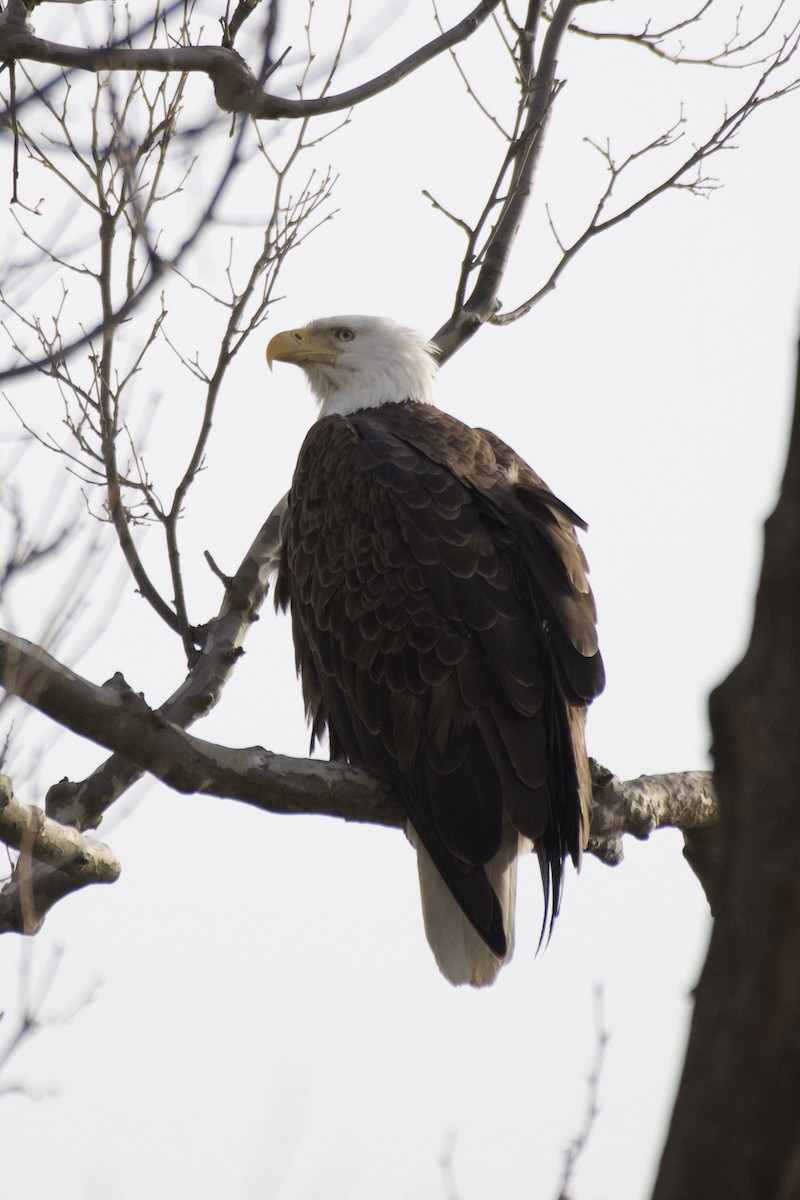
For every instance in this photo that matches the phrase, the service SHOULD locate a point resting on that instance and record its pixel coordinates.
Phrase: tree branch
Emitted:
(83, 804)
(685, 800)
(236, 87)
(26, 828)
(73, 861)
(487, 254)
(29, 1017)
(153, 272)
(116, 717)
(650, 39)
(521, 161)
(719, 139)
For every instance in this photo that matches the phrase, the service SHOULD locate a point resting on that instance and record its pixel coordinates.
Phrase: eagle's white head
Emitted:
(359, 362)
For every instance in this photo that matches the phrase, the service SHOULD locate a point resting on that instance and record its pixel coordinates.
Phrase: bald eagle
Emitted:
(444, 629)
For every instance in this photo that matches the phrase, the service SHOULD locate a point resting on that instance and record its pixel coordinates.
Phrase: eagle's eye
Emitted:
(344, 335)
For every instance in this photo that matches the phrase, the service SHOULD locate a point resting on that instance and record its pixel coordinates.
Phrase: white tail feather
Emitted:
(461, 954)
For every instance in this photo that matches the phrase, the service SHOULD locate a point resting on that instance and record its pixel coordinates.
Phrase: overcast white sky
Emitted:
(269, 1021)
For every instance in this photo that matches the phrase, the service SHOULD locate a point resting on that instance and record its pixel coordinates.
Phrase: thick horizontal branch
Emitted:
(115, 716)
(236, 88)
(118, 718)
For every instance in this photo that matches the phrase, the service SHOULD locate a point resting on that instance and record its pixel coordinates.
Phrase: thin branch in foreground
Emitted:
(579, 1143)
(155, 272)
(447, 1168)
(29, 1019)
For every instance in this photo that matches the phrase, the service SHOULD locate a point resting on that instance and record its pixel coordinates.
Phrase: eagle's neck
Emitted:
(342, 390)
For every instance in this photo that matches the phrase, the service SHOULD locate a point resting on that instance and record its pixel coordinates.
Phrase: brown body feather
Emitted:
(445, 635)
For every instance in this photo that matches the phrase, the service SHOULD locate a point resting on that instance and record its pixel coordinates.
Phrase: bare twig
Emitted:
(446, 1166)
(730, 56)
(30, 1019)
(509, 196)
(579, 1143)
(490, 239)
(718, 140)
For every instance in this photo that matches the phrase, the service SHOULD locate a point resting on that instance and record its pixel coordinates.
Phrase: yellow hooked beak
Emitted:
(299, 346)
